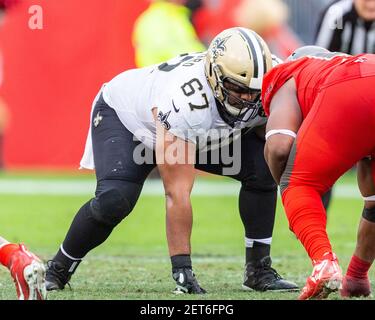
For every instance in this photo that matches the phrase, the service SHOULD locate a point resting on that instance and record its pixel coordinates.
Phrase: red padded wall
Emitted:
(51, 75)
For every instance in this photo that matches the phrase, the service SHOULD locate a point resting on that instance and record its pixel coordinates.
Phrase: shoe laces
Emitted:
(327, 256)
(262, 271)
(267, 272)
(58, 271)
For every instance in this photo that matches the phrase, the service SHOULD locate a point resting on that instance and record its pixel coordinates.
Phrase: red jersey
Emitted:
(313, 74)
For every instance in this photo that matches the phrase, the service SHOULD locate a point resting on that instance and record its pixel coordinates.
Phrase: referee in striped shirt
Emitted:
(348, 26)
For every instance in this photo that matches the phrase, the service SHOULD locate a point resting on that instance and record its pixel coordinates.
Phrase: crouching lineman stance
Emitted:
(321, 108)
(26, 269)
(169, 107)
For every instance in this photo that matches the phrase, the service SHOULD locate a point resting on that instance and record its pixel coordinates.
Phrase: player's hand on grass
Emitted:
(186, 282)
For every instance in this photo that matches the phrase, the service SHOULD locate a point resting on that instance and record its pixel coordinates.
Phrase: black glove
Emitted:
(186, 281)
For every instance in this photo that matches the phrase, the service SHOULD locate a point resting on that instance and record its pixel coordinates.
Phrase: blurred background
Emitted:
(56, 54)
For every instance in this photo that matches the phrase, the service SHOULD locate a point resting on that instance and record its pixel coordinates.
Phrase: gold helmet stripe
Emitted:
(258, 53)
(263, 53)
(253, 55)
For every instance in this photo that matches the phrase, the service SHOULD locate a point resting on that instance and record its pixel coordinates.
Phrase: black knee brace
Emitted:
(369, 214)
(257, 204)
(110, 207)
(255, 185)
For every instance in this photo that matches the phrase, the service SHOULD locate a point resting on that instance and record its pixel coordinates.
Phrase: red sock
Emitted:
(6, 252)
(358, 268)
(307, 219)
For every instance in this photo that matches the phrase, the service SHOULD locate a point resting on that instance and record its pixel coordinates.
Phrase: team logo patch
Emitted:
(163, 118)
(218, 47)
(97, 119)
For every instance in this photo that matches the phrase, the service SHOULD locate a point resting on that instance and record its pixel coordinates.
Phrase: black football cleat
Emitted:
(186, 282)
(57, 276)
(260, 276)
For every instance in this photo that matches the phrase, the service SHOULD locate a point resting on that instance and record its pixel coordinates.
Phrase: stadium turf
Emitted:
(134, 264)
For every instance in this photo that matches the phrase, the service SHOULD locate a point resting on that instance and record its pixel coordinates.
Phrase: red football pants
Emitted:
(338, 131)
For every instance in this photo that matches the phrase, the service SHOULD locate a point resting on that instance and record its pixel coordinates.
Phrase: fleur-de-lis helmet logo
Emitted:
(218, 47)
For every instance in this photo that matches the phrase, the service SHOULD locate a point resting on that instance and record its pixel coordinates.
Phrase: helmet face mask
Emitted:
(240, 57)
(236, 105)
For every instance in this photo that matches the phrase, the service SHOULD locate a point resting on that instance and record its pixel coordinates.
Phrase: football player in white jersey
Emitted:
(177, 115)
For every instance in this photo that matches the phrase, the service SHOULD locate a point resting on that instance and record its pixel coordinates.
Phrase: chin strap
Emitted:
(224, 115)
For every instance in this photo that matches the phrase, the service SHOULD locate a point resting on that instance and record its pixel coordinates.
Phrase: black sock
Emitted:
(181, 261)
(70, 265)
(85, 233)
(257, 252)
(257, 210)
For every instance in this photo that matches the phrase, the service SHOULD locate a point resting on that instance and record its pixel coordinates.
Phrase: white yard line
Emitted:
(151, 187)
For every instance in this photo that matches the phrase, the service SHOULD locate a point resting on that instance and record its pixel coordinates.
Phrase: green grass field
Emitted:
(134, 264)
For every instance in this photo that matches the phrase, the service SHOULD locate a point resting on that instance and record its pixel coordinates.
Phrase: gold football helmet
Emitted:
(241, 57)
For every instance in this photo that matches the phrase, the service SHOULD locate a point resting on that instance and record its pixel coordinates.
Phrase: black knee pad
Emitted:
(369, 214)
(110, 207)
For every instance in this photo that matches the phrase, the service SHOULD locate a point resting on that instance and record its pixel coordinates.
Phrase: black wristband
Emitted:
(369, 214)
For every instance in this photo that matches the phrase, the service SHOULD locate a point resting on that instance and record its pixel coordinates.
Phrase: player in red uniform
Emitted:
(321, 108)
(26, 269)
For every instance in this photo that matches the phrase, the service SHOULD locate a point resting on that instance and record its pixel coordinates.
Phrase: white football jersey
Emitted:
(181, 93)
